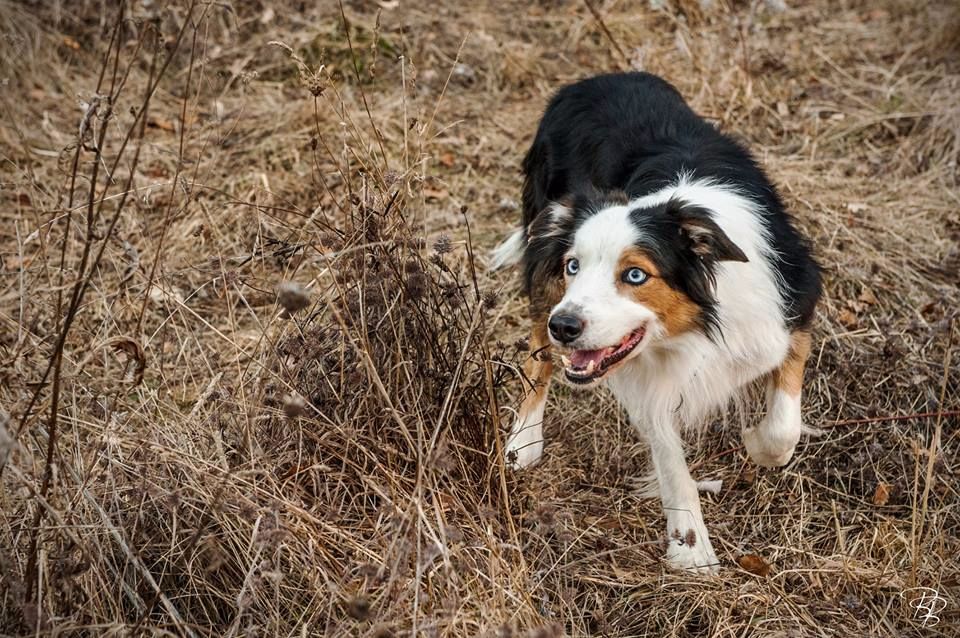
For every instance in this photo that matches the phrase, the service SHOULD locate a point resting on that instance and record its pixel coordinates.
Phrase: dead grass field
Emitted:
(180, 455)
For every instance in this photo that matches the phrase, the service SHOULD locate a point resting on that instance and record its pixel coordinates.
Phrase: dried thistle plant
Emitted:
(292, 297)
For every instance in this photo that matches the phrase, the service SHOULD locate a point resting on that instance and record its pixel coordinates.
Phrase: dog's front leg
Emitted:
(688, 544)
(525, 443)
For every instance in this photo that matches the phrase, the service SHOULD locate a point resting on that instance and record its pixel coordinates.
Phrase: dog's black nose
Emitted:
(565, 328)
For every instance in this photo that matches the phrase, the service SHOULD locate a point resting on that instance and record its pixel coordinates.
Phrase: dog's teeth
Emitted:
(591, 366)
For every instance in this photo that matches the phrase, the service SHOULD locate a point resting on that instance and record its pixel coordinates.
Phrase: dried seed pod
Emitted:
(292, 297)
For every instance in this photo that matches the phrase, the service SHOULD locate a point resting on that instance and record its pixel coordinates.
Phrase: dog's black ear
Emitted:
(547, 241)
(553, 221)
(705, 238)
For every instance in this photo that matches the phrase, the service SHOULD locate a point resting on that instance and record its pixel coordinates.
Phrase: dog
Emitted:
(660, 261)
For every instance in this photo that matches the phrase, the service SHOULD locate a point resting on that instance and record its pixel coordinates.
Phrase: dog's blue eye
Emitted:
(573, 267)
(634, 276)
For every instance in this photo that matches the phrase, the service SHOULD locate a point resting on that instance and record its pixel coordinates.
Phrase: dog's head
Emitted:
(632, 276)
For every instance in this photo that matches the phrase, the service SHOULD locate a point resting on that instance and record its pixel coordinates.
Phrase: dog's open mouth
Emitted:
(584, 366)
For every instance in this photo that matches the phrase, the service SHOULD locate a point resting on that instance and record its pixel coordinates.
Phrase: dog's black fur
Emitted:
(633, 133)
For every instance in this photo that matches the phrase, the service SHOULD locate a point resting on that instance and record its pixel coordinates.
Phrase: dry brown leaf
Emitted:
(447, 160)
(754, 564)
(13, 262)
(847, 318)
(447, 502)
(436, 194)
(161, 123)
(133, 349)
(70, 42)
(867, 297)
(881, 495)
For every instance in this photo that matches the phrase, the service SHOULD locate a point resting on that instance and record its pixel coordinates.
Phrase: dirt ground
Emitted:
(254, 372)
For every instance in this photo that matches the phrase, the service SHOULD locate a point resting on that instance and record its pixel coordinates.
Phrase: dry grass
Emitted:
(184, 451)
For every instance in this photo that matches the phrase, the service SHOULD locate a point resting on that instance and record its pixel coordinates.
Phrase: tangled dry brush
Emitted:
(253, 370)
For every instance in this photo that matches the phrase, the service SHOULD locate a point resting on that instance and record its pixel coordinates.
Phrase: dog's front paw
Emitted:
(687, 552)
(770, 449)
(523, 451)
(520, 455)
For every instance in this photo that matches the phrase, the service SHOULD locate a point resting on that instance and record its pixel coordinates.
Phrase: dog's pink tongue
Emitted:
(582, 358)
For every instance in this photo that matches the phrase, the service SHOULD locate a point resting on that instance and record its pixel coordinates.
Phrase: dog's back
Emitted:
(595, 133)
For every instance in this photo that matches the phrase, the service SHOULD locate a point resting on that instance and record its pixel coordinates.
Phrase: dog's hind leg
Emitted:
(773, 441)
(525, 443)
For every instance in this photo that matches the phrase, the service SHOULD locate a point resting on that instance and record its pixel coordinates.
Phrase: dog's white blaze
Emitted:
(592, 293)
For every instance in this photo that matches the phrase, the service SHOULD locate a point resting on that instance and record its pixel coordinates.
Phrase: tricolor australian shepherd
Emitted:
(659, 260)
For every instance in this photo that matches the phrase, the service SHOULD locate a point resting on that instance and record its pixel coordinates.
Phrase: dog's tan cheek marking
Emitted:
(677, 312)
(789, 376)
